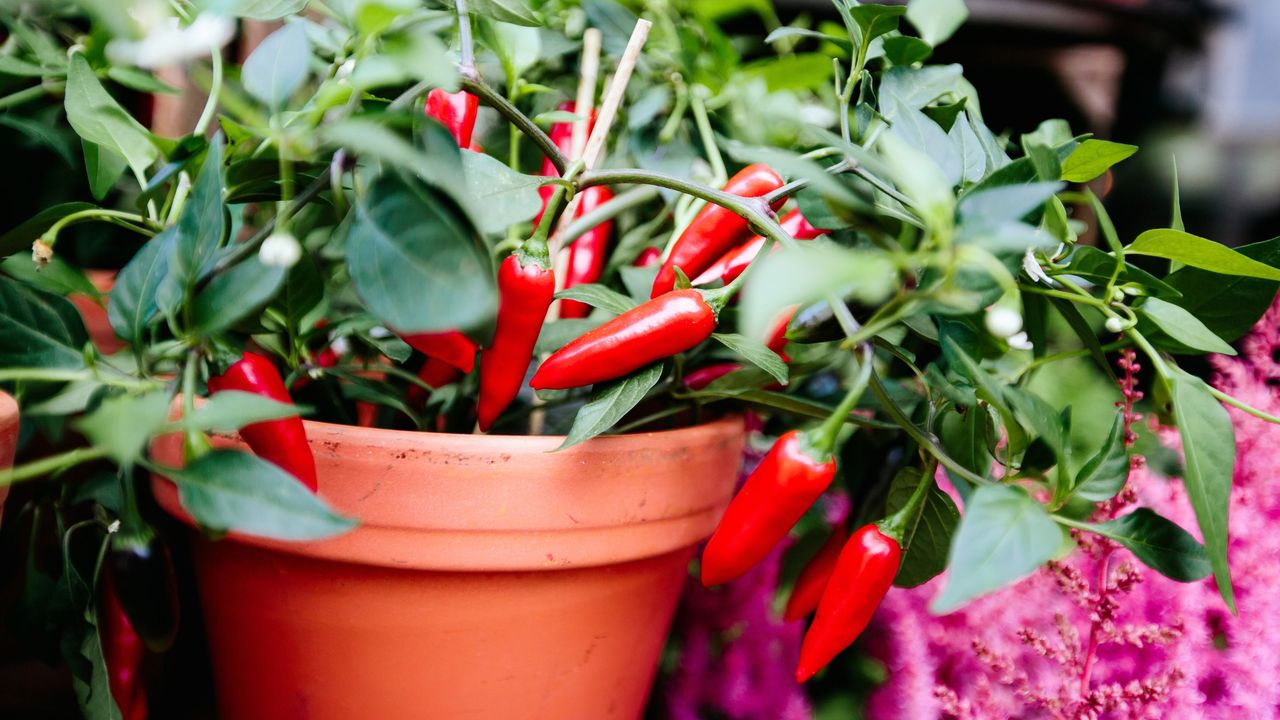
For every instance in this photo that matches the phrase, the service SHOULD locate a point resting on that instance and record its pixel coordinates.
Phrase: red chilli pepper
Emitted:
(647, 257)
(732, 263)
(282, 442)
(456, 111)
(660, 328)
(715, 230)
(861, 578)
(435, 373)
(123, 651)
(588, 253)
(704, 376)
(776, 340)
(525, 290)
(450, 346)
(785, 484)
(813, 579)
(561, 134)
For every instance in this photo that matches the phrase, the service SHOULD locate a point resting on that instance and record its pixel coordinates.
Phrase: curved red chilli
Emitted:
(525, 291)
(456, 111)
(732, 263)
(657, 329)
(715, 230)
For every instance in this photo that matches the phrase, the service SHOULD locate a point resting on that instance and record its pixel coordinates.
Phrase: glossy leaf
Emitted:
(1209, 449)
(754, 352)
(21, 237)
(1200, 253)
(234, 295)
(1004, 536)
(1159, 543)
(937, 20)
(1228, 306)
(1183, 327)
(598, 296)
(928, 534)
(227, 490)
(516, 12)
(1106, 472)
(506, 196)
(1092, 158)
(610, 404)
(124, 424)
(231, 410)
(132, 303)
(99, 119)
(38, 329)
(278, 66)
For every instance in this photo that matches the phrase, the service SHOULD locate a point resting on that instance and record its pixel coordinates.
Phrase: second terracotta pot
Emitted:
(489, 578)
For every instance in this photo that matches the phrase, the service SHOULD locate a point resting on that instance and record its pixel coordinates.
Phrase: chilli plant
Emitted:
(400, 213)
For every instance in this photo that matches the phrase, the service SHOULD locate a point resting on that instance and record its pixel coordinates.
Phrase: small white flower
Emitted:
(1114, 324)
(114, 526)
(1033, 269)
(1019, 341)
(340, 345)
(379, 332)
(1003, 322)
(165, 42)
(344, 70)
(280, 249)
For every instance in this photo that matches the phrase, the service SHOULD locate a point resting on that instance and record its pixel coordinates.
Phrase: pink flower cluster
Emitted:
(1100, 635)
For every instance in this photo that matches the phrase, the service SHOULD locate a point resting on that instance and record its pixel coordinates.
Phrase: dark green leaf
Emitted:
(1092, 158)
(1080, 326)
(1200, 253)
(227, 490)
(1009, 202)
(905, 50)
(99, 119)
(278, 66)
(231, 410)
(1209, 447)
(610, 404)
(1183, 327)
(199, 230)
(1003, 536)
(507, 197)
(415, 260)
(556, 335)
(1093, 264)
(122, 425)
(21, 237)
(964, 437)
(133, 297)
(1159, 543)
(104, 168)
(598, 296)
(38, 329)
(234, 295)
(1105, 473)
(876, 20)
(928, 534)
(754, 352)
(516, 12)
(57, 276)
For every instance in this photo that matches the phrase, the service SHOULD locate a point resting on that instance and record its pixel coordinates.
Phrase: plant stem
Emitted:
(215, 90)
(57, 375)
(53, 463)
(826, 434)
(799, 184)
(923, 440)
(116, 217)
(1234, 402)
(464, 35)
(493, 99)
(708, 137)
(21, 96)
(895, 526)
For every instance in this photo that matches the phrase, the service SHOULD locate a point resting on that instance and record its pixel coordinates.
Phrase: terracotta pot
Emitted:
(95, 315)
(8, 438)
(489, 578)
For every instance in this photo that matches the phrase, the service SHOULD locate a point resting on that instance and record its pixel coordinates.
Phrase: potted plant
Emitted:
(449, 535)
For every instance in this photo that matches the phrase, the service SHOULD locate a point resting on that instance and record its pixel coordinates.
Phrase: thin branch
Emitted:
(476, 86)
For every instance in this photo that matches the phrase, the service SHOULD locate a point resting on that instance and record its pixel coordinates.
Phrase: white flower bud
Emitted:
(280, 249)
(1032, 267)
(1003, 322)
(1114, 324)
(1019, 341)
(166, 42)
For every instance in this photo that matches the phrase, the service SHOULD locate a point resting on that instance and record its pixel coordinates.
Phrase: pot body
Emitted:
(8, 438)
(489, 578)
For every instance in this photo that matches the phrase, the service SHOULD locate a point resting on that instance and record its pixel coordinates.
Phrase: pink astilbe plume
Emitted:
(1098, 635)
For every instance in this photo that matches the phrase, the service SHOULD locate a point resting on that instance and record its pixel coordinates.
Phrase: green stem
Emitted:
(895, 526)
(250, 246)
(22, 96)
(215, 90)
(799, 184)
(53, 463)
(118, 217)
(780, 401)
(825, 436)
(474, 85)
(923, 440)
(1234, 402)
(56, 375)
(608, 211)
(708, 137)
(1069, 354)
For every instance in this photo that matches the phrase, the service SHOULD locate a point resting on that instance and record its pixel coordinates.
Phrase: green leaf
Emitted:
(557, 334)
(508, 197)
(784, 33)
(1159, 543)
(964, 437)
(57, 276)
(234, 295)
(1009, 202)
(1209, 448)
(865, 275)
(801, 71)
(141, 81)
(278, 66)
(17, 67)
(1105, 473)
(876, 20)
(918, 132)
(598, 296)
(227, 490)
(231, 410)
(415, 261)
(754, 352)
(94, 691)
(516, 12)
(610, 404)
(104, 168)
(937, 20)
(928, 535)
(906, 50)
(920, 179)
(1200, 253)
(124, 424)
(1228, 306)
(133, 297)
(41, 133)
(256, 9)
(1183, 327)
(99, 119)
(1092, 158)
(199, 229)
(1093, 264)
(917, 87)
(1004, 535)
(38, 329)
